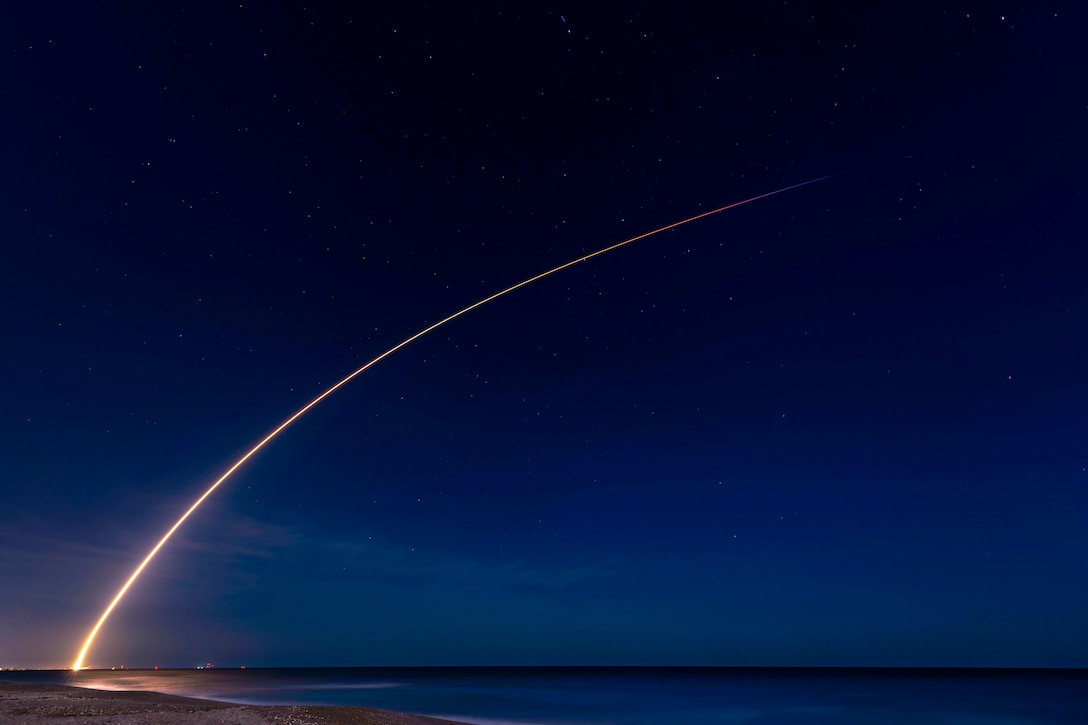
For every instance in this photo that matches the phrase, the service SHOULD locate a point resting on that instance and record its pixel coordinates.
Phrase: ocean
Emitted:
(635, 695)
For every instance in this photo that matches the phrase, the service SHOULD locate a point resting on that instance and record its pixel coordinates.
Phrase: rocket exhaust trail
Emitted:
(78, 664)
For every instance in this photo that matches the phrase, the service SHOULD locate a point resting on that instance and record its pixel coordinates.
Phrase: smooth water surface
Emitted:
(636, 696)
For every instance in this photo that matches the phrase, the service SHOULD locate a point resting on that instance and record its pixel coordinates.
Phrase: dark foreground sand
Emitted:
(57, 705)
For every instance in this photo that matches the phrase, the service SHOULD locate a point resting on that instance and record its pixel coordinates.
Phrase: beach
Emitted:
(31, 704)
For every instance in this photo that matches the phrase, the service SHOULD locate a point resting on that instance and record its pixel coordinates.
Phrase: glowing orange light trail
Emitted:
(301, 411)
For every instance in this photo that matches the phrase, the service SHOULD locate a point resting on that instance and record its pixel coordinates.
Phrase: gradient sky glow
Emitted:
(841, 426)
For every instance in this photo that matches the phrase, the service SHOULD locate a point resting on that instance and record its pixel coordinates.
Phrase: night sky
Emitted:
(846, 425)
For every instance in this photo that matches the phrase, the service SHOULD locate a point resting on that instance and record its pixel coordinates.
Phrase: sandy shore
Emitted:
(58, 705)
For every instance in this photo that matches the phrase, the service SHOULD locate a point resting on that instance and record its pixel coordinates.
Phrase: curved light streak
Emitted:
(78, 664)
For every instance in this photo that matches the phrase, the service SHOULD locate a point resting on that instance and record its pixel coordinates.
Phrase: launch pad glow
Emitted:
(78, 664)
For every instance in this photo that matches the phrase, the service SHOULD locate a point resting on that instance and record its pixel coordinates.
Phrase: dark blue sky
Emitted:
(841, 426)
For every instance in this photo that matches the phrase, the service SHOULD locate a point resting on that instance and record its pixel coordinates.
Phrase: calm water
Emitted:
(637, 696)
